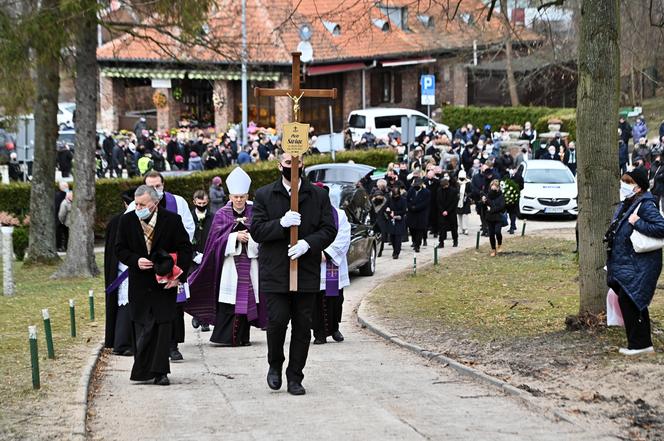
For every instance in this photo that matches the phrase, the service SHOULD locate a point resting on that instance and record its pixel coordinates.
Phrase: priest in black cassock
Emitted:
(143, 234)
(118, 322)
(272, 219)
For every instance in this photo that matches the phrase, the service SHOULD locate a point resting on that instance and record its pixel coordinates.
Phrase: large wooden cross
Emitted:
(295, 94)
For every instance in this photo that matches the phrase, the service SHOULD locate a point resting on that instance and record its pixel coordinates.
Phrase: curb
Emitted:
(78, 430)
(461, 368)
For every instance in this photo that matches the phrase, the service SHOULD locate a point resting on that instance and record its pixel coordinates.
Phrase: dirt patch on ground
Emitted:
(579, 372)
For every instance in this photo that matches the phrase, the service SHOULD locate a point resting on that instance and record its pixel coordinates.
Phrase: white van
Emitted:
(382, 118)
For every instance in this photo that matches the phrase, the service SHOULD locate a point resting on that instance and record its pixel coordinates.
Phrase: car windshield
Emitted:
(548, 176)
(335, 175)
(70, 107)
(357, 121)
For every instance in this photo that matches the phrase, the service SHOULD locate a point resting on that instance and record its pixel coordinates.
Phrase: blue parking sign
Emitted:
(428, 88)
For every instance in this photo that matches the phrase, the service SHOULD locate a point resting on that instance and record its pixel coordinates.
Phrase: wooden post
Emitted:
(295, 93)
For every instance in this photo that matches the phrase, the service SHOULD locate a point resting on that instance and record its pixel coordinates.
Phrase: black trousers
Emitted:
(637, 323)
(123, 331)
(495, 234)
(396, 244)
(451, 224)
(481, 210)
(417, 235)
(327, 314)
(151, 352)
(512, 211)
(296, 307)
(177, 328)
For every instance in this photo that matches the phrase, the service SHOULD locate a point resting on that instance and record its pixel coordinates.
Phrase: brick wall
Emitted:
(111, 102)
(223, 114)
(352, 92)
(168, 116)
(283, 106)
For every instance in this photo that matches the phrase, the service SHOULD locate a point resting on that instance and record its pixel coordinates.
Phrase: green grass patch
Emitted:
(59, 377)
(526, 291)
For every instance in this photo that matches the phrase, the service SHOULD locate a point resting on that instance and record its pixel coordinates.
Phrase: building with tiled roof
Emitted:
(372, 52)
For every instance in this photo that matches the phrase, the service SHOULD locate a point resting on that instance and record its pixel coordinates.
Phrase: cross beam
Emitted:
(295, 93)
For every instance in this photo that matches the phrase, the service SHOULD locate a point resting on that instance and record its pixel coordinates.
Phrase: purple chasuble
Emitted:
(331, 270)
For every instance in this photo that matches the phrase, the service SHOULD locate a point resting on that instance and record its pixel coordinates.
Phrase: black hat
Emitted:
(640, 176)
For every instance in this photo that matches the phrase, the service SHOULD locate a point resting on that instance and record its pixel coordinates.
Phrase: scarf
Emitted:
(462, 194)
(148, 231)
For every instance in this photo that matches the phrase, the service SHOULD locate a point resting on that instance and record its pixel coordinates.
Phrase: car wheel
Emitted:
(369, 268)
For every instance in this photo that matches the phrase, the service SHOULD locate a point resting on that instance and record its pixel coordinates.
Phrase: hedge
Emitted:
(457, 116)
(15, 198)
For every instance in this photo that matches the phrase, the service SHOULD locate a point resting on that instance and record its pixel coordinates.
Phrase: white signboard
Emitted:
(159, 83)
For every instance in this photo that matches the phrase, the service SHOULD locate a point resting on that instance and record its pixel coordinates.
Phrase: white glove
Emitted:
(298, 249)
(198, 258)
(291, 218)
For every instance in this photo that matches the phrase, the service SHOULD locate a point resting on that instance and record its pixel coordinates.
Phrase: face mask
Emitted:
(485, 155)
(552, 151)
(143, 213)
(626, 190)
(286, 172)
(396, 169)
(201, 207)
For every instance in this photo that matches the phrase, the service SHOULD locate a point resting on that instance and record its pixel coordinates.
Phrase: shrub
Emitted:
(15, 198)
(20, 240)
(456, 116)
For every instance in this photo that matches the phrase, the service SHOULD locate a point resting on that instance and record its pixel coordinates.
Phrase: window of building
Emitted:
(385, 87)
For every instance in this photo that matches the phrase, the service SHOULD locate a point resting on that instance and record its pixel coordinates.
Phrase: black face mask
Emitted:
(286, 172)
(201, 207)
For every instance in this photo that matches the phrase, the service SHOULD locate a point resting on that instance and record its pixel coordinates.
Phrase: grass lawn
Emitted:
(59, 378)
(526, 291)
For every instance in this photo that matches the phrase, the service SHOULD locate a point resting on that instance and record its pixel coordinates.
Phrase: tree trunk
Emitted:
(42, 190)
(597, 110)
(80, 260)
(507, 31)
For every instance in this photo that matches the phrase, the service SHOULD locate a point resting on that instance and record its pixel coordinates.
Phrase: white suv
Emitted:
(380, 119)
(549, 188)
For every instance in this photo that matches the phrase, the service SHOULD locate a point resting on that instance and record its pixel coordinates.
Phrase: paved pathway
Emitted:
(363, 388)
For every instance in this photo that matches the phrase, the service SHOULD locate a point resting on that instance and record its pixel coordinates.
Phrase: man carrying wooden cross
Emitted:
(270, 228)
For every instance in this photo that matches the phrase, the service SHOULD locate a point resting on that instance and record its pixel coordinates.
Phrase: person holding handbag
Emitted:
(633, 273)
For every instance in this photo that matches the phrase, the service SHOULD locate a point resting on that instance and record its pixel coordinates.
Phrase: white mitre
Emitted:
(238, 182)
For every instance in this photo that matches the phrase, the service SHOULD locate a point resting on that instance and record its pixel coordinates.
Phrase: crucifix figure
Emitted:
(295, 149)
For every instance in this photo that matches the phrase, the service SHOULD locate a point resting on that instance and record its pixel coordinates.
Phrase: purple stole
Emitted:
(331, 270)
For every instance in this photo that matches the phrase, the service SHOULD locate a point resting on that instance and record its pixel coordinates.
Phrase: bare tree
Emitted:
(507, 32)
(597, 108)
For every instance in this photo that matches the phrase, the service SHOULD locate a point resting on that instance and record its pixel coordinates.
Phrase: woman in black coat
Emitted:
(448, 199)
(396, 211)
(495, 207)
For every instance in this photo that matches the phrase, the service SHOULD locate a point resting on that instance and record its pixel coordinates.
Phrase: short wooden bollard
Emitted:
(34, 356)
(477, 241)
(523, 229)
(91, 298)
(72, 317)
(435, 256)
(48, 333)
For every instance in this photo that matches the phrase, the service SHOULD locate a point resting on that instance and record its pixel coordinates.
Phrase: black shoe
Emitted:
(205, 328)
(424, 243)
(320, 341)
(128, 353)
(441, 245)
(246, 343)
(455, 244)
(195, 323)
(176, 355)
(295, 388)
(380, 254)
(161, 380)
(417, 250)
(395, 256)
(274, 379)
(511, 231)
(337, 336)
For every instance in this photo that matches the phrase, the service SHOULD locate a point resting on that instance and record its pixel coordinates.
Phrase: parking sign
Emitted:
(428, 87)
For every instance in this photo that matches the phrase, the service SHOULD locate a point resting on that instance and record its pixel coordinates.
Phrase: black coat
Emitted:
(317, 228)
(418, 208)
(110, 274)
(433, 185)
(448, 199)
(398, 207)
(145, 294)
(202, 229)
(495, 206)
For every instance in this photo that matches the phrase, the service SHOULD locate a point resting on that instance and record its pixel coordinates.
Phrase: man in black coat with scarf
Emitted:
(272, 219)
(143, 234)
